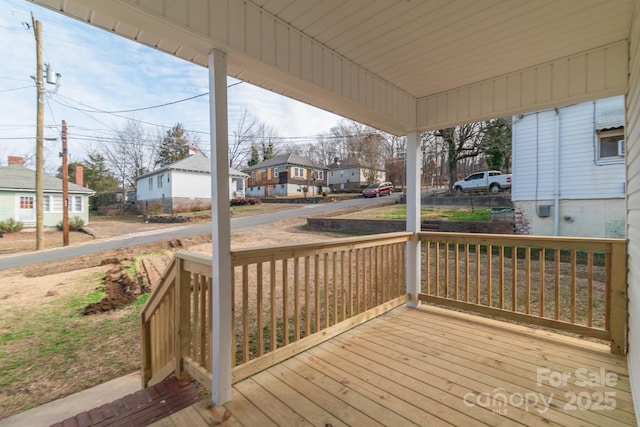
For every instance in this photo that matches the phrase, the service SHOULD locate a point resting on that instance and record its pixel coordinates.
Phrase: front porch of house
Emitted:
(432, 366)
(324, 333)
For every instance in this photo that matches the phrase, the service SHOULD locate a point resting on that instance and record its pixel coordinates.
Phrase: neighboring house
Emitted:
(571, 182)
(183, 186)
(286, 175)
(351, 174)
(18, 198)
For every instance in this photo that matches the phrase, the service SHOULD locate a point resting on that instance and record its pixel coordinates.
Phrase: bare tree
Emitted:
(252, 134)
(131, 154)
(461, 142)
(363, 142)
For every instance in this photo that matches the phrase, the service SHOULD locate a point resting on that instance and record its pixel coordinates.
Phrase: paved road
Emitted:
(153, 236)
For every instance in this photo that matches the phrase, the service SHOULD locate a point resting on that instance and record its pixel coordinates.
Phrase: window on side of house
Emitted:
(253, 174)
(26, 202)
(611, 146)
(160, 178)
(320, 174)
(275, 172)
(47, 204)
(150, 183)
(75, 203)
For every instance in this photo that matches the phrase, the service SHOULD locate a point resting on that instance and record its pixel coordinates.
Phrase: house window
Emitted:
(160, 178)
(253, 174)
(150, 184)
(341, 174)
(320, 174)
(47, 203)
(26, 202)
(611, 145)
(353, 172)
(75, 203)
(275, 172)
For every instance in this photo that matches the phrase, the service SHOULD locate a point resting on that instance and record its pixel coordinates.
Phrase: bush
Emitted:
(103, 199)
(155, 209)
(10, 226)
(243, 201)
(75, 224)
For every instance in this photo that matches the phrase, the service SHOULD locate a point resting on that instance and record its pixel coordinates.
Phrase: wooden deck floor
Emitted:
(433, 367)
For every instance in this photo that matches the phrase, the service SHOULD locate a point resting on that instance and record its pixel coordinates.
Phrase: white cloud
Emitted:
(102, 70)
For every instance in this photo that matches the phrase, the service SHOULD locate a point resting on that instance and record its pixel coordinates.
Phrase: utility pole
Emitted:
(37, 30)
(65, 187)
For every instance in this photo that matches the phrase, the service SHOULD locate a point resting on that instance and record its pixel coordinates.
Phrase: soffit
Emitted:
(376, 58)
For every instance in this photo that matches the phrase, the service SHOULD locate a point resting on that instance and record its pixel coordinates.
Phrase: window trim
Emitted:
(618, 135)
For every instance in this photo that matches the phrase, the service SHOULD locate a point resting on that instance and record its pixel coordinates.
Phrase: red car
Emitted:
(378, 189)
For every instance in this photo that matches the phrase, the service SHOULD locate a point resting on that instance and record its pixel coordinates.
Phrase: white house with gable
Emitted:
(183, 186)
(569, 170)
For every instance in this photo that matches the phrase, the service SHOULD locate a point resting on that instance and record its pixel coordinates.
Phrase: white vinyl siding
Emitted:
(632, 140)
(581, 175)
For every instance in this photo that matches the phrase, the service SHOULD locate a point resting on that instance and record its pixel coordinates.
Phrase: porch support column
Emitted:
(413, 217)
(221, 232)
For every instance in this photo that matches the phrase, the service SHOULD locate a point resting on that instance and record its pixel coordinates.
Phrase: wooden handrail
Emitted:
(289, 297)
(286, 298)
(567, 283)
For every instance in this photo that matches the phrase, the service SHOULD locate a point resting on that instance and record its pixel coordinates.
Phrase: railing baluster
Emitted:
(501, 262)
(477, 274)
(541, 276)
(527, 280)
(427, 261)
(316, 285)
(446, 270)
(456, 273)
(307, 295)
(350, 269)
(245, 311)
(273, 327)
(467, 278)
(437, 266)
(358, 268)
(343, 285)
(296, 296)
(557, 282)
(489, 275)
(259, 307)
(590, 288)
(325, 282)
(573, 285)
(285, 301)
(514, 278)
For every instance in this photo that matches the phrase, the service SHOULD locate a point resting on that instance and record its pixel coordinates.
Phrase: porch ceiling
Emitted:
(396, 65)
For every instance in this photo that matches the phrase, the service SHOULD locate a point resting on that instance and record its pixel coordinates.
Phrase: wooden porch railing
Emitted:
(285, 300)
(572, 284)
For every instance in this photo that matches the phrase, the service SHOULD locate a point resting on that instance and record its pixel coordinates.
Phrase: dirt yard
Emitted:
(39, 301)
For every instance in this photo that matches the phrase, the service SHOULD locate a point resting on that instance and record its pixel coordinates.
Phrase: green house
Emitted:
(18, 197)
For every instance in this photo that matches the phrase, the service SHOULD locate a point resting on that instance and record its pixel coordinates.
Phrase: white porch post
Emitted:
(413, 217)
(221, 231)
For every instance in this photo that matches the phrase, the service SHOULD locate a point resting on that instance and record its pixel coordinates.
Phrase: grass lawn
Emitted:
(48, 349)
(399, 212)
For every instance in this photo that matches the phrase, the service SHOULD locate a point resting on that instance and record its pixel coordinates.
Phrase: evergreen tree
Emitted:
(267, 151)
(497, 144)
(174, 146)
(255, 156)
(96, 174)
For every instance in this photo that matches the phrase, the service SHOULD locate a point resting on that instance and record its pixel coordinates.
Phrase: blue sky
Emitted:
(103, 71)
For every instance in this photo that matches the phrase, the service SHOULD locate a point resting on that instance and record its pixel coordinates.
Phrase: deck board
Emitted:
(431, 366)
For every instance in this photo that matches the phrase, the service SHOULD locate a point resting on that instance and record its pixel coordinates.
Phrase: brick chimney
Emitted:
(80, 176)
(15, 161)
